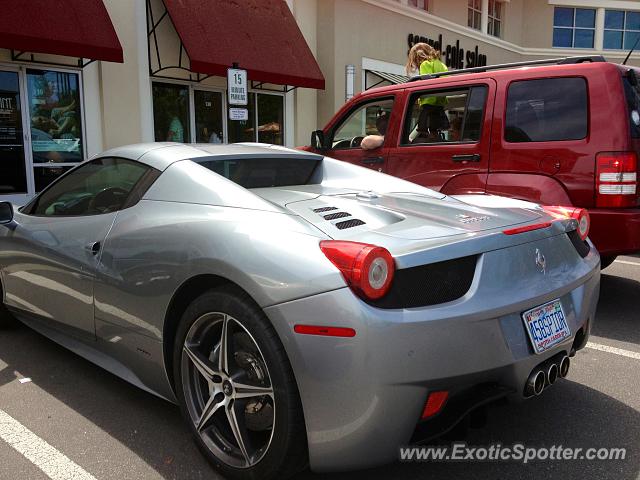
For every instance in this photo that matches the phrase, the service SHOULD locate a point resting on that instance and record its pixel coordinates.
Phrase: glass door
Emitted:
(13, 171)
(208, 108)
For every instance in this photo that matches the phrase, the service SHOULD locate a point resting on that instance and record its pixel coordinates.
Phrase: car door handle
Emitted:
(474, 157)
(373, 160)
(93, 247)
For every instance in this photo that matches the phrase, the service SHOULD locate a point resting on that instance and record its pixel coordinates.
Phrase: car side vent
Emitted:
(354, 222)
(333, 216)
(324, 209)
(430, 284)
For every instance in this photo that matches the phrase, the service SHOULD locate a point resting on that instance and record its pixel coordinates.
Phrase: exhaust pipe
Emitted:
(535, 382)
(552, 373)
(564, 366)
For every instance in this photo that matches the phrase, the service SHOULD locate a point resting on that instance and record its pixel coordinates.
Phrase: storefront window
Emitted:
(208, 111)
(244, 131)
(171, 112)
(55, 115)
(13, 175)
(270, 119)
(574, 27)
(621, 29)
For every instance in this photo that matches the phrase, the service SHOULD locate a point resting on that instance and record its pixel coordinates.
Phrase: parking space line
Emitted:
(53, 463)
(614, 350)
(625, 262)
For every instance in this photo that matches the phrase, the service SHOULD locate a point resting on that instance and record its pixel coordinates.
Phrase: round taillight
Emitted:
(579, 214)
(584, 222)
(367, 269)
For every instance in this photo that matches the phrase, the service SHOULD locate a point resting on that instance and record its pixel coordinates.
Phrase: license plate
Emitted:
(546, 325)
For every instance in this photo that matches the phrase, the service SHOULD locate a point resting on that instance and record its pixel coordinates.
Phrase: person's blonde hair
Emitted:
(420, 52)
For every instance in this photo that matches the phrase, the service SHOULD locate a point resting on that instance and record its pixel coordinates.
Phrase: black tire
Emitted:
(287, 453)
(607, 261)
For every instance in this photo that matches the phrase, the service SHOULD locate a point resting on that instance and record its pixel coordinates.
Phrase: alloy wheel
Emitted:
(228, 390)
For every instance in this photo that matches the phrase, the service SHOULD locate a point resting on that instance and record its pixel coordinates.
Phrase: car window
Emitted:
(445, 116)
(99, 186)
(262, 172)
(547, 110)
(363, 121)
(632, 93)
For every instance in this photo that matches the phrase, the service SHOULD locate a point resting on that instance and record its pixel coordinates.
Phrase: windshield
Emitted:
(262, 172)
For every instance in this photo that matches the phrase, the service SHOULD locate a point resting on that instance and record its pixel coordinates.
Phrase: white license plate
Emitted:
(546, 325)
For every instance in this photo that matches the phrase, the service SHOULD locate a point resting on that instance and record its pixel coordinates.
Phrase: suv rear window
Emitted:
(632, 93)
(547, 110)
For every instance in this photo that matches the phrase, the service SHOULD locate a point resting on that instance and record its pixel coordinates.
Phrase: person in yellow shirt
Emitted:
(425, 59)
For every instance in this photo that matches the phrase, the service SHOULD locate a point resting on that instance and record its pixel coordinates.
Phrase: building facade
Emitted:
(58, 109)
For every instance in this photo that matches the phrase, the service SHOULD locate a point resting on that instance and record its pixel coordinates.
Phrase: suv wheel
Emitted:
(236, 388)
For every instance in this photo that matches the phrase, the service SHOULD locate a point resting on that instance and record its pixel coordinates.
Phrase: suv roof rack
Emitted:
(548, 61)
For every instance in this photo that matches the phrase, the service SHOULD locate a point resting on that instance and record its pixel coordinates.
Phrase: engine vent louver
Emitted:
(354, 222)
(324, 209)
(333, 216)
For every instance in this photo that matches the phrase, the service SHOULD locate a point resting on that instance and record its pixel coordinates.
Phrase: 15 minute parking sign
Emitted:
(237, 86)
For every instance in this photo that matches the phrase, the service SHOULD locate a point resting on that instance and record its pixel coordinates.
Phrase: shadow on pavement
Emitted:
(617, 317)
(151, 428)
(568, 414)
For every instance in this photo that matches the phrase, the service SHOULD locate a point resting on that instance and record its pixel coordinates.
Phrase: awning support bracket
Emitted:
(28, 57)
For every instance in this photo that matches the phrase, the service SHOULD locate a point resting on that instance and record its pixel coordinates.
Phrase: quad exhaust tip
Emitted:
(564, 367)
(552, 373)
(536, 382)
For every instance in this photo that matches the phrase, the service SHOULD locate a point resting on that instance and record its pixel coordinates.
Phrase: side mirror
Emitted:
(317, 140)
(6, 213)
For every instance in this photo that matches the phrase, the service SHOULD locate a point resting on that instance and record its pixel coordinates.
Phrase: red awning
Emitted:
(260, 35)
(74, 28)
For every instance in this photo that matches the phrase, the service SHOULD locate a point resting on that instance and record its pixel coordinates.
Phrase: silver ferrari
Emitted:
(300, 310)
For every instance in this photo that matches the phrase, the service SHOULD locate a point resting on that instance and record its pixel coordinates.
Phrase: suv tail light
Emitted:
(580, 214)
(616, 179)
(367, 269)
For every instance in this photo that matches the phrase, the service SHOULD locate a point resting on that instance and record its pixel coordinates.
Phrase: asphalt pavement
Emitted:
(74, 413)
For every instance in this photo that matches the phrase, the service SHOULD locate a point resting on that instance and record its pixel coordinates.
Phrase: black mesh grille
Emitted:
(324, 209)
(429, 284)
(582, 246)
(349, 223)
(333, 216)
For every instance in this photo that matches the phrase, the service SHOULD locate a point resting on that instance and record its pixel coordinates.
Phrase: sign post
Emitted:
(237, 99)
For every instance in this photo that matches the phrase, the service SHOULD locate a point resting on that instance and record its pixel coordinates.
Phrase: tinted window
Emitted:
(632, 94)
(547, 110)
(365, 120)
(100, 186)
(445, 116)
(262, 172)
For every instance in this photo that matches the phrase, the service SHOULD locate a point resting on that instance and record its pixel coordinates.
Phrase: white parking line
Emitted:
(625, 262)
(54, 464)
(614, 350)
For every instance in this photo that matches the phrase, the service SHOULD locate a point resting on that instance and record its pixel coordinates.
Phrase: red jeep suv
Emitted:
(555, 132)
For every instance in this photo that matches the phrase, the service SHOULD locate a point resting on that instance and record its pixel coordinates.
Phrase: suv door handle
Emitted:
(373, 160)
(93, 247)
(474, 157)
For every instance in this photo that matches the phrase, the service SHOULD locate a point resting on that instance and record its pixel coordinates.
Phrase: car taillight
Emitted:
(367, 269)
(580, 214)
(616, 179)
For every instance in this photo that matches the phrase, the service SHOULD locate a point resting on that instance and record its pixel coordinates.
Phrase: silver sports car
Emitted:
(300, 310)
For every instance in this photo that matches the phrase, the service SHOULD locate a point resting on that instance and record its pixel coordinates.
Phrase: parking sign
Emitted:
(237, 86)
